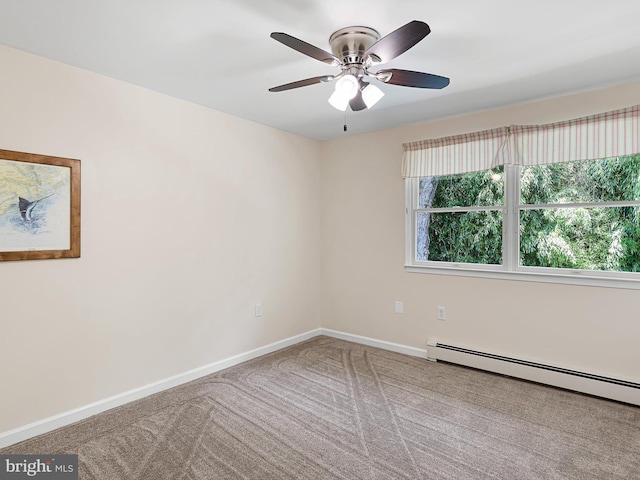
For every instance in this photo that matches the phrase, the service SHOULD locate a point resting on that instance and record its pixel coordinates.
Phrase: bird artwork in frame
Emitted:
(39, 206)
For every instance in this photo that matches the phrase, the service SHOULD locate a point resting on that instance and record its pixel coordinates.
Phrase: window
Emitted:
(573, 218)
(557, 202)
(459, 218)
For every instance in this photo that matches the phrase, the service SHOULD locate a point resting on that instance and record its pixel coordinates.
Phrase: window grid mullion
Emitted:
(544, 206)
(511, 240)
(491, 208)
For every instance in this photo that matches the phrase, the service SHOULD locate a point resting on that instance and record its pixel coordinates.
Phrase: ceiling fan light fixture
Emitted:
(371, 95)
(346, 88)
(356, 49)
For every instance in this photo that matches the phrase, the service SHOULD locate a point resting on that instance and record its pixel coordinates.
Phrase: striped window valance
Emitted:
(604, 135)
(469, 152)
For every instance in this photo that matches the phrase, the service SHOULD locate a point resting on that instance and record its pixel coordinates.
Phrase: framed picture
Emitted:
(39, 206)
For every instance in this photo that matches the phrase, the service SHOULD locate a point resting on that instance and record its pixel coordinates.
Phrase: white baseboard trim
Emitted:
(66, 418)
(372, 342)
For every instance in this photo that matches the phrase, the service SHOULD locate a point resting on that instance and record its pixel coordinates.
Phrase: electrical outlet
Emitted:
(258, 309)
(442, 313)
(399, 307)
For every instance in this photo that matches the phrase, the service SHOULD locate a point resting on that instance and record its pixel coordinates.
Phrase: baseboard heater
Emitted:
(598, 385)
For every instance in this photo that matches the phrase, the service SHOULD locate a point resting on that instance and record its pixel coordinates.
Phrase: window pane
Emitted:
(475, 189)
(465, 237)
(606, 180)
(581, 238)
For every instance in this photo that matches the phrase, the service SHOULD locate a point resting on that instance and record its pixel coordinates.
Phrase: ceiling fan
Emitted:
(355, 51)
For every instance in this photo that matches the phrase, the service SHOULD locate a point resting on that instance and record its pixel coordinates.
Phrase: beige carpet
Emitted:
(329, 409)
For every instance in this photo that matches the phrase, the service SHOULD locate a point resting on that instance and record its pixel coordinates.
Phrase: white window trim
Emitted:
(509, 270)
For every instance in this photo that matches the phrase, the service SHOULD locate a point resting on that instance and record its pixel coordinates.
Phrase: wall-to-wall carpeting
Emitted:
(330, 409)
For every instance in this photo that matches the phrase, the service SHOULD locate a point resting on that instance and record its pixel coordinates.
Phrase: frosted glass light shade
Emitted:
(339, 100)
(371, 95)
(348, 86)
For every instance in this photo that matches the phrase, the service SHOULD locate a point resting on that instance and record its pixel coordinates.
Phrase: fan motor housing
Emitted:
(350, 43)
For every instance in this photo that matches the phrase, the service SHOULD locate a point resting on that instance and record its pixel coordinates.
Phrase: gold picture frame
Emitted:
(39, 206)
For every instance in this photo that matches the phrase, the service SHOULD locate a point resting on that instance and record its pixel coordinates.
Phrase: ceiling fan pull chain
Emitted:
(345, 120)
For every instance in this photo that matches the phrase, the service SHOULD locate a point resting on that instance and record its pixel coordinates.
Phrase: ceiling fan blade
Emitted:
(306, 48)
(398, 41)
(302, 83)
(357, 102)
(408, 78)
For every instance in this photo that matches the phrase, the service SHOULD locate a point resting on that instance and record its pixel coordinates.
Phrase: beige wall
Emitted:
(585, 328)
(189, 218)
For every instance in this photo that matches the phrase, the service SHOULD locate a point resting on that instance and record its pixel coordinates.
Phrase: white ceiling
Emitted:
(218, 53)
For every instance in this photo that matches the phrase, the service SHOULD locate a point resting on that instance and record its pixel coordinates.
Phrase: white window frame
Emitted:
(510, 268)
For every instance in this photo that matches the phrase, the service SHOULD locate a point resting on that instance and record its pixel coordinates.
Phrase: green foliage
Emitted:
(469, 237)
(471, 189)
(593, 238)
(588, 238)
(606, 180)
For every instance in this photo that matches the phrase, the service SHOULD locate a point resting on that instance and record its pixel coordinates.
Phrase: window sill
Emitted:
(575, 277)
